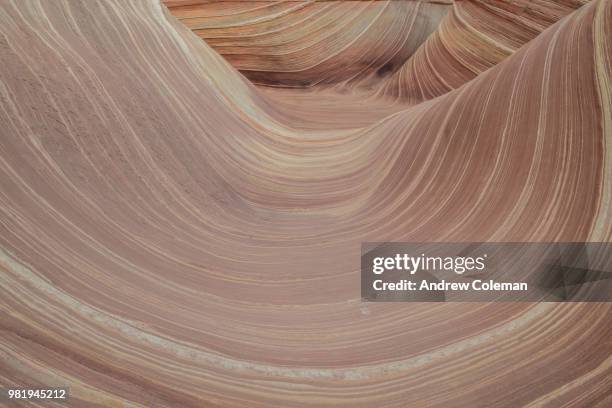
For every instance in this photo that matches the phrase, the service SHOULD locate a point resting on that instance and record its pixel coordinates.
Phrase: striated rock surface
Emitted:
(307, 43)
(173, 236)
(473, 37)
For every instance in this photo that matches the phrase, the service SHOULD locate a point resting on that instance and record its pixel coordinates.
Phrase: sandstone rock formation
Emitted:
(172, 235)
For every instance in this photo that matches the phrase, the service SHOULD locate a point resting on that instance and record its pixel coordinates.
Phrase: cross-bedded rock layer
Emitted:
(172, 235)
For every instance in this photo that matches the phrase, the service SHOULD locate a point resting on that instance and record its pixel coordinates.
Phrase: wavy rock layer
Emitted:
(305, 43)
(356, 43)
(172, 236)
(473, 37)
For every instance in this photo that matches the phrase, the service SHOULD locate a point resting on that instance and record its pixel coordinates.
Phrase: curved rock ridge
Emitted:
(173, 236)
(415, 50)
(474, 36)
(307, 43)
